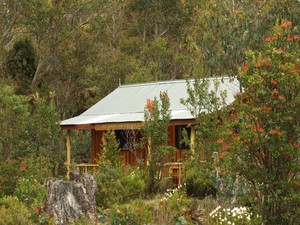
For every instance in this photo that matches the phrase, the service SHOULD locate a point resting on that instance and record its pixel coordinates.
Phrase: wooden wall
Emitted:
(139, 155)
(96, 142)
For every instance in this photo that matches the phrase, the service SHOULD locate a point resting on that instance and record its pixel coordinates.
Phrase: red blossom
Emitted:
(230, 132)
(294, 71)
(275, 82)
(221, 156)
(267, 39)
(150, 106)
(261, 130)
(289, 39)
(280, 50)
(287, 24)
(288, 158)
(245, 67)
(266, 109)
(225, 147)
(220, 141)
(275, 92)
(296, 37)
(263, 62)
(279, 133)
(249, 125)
(23, 166)
(274, 37)
(272, 132)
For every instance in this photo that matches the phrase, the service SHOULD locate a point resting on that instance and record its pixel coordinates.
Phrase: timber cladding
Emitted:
(96, 142)
(119, 126)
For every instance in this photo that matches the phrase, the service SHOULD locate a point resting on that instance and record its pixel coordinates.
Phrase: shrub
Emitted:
(9, 174)
(13, 212)
(14, 170)
(127, 184)
(133, 184)
(30, 192)
(198, 180)
(168, 208)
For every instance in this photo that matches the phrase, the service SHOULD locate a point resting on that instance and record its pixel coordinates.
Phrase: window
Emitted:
(127, 138)
(179, 140)
(121, 138)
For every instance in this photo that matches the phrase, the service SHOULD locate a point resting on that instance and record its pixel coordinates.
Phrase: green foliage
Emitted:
(157, 116)
(206, 106)
(198, 181)
(265, 151)
(9, 174)
(169, 208)
(37, 135)
(44, 130)
(153, 19)
(30, 192)
(127, 183)
(14, 115)
(12, 212)
(222, 32)
(13, 172)
(81, 145)
(110, 146)
(20, 61)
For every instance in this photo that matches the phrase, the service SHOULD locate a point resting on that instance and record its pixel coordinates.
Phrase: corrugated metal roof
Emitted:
(127, 102)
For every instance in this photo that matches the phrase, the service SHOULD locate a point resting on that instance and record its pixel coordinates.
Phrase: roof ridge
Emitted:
(171, 81)
(154, 83)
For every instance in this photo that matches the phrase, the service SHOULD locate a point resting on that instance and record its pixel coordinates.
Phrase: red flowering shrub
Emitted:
(265, 153)
(12, 171)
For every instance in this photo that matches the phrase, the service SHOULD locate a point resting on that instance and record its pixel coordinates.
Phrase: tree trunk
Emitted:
(74, 199)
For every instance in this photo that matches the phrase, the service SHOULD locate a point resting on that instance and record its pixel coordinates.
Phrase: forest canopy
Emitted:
(79, 50)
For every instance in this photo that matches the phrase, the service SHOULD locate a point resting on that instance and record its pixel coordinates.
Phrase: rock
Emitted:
(74, 199)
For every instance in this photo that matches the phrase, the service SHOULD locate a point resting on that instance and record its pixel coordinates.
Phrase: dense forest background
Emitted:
(77, 51)
(58, 57)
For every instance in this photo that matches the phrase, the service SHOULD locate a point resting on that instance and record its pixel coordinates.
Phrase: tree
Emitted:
(110, 148)
(264, 138)
(208, 108)
(44, 136)
(20, 63)
(157, 116)
(223, 31)
(14, 115)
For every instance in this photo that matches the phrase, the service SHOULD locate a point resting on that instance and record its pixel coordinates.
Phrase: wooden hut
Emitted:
(123, 110)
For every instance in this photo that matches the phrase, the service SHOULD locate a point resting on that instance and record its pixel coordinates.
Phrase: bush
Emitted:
(30, 192)
(127, 184)
(171, 207)
(198, 181)
(14, 170)
(9, 174)
(13, 212)
(134, 184)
